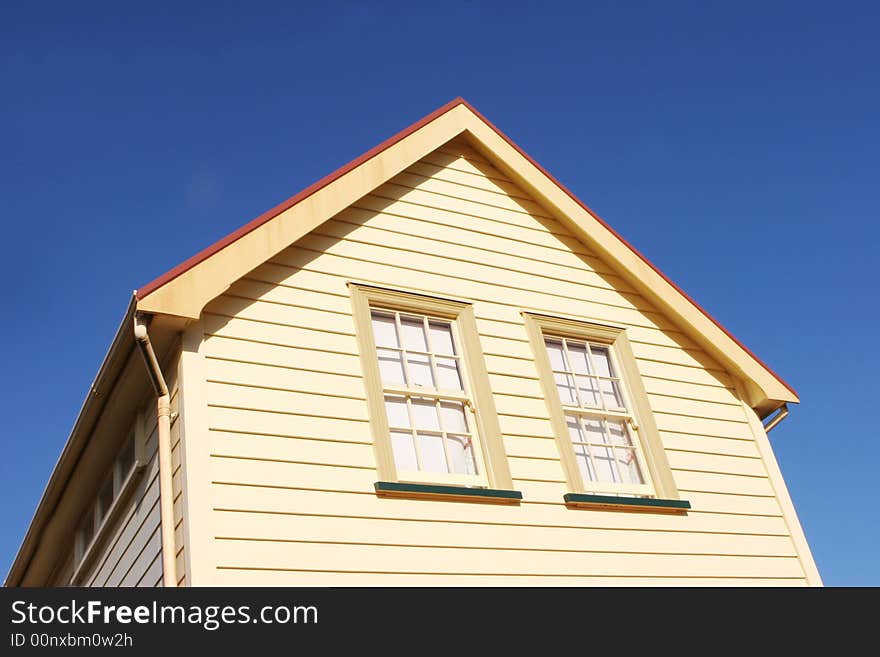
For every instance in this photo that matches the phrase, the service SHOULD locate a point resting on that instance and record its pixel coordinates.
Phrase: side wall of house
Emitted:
(286, 485)
(130, 552)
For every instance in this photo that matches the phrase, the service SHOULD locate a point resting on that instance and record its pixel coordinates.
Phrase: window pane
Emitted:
(589, 391)
(611, 392)
(431, 452)
(419, 371)
(593, 430)
(603, 458)
(441, 338)
(554, 351)
(126, 458)
(391, 367)
(565, 386)
(425, 414)
(450, 377)
(87, 528)
(601, 360)
(413, 333)
(384, 331)
(404, 451)
(619, 433)
(629, 466)
(461, 453)
(583, 462)
(105, 499)
(395, 408)
(579, 362)
(574, 429)
(453, 417)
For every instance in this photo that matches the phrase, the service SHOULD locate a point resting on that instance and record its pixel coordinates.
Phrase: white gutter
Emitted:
(166, 488)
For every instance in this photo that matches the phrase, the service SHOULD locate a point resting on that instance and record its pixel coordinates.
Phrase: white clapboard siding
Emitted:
(292, 464)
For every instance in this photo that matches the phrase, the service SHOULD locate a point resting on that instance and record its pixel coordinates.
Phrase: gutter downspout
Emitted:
(163, 419)
(779, 417)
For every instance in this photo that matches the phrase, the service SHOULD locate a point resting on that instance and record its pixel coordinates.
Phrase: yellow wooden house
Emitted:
(436, 366)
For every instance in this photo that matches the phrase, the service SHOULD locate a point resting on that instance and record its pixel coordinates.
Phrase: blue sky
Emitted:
(736, 144)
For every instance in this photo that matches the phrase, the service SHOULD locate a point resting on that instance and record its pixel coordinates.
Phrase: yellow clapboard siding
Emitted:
(535, 516)
(696, 408)
(727, 503)
(473, 178)
(465, 258)
(684, 390)
(701, 426)
(708, 462)
(254, 287)
(530, 468)
(299, 474)
(389, 275)
(477, 225)
(457, 192)
(276, 333)
(290, 378)
(712, 445)
(340, 327)
(280, 356)
(240, 420)
(430, 559)
(510, 326)
(679, 373)
(292, 449)
(511, 215)
(283, 401)
(532, 447)
(516, 386)
(550, 254)
(723, 483)
(244, 577)
(292, 457)
(236, 524)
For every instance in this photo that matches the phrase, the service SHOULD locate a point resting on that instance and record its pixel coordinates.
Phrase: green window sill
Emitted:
(456, 493)
(610, 502)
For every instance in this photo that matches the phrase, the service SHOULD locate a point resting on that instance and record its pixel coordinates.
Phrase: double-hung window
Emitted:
(431, 412)
(607, 439)
(598, 416)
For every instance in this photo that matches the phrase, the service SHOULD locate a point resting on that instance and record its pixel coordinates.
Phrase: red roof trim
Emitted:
(204, 254)
(311, 189)
(625, 242)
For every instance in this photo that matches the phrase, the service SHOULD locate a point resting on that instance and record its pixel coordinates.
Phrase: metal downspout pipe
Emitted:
(163, 419)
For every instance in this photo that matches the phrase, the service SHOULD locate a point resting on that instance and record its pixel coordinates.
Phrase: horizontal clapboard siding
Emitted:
(131, 554)
(292, 465)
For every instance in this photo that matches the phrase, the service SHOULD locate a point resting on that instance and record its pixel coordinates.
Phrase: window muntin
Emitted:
(599, 420)
(96, 515)
(429, 410)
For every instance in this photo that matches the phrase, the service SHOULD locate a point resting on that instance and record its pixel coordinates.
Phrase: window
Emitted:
(599, 410)
(116, 485)
(600, 426)
(431, 412)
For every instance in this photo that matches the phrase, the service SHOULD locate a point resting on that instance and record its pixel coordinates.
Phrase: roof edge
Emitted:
(206, 253)
(626, 243)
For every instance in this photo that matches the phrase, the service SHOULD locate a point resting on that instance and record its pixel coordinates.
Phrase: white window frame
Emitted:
(638, 417)
(491, 461)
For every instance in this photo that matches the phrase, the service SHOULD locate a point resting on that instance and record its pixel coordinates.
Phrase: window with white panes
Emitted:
(598, 416)
(431, 418)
